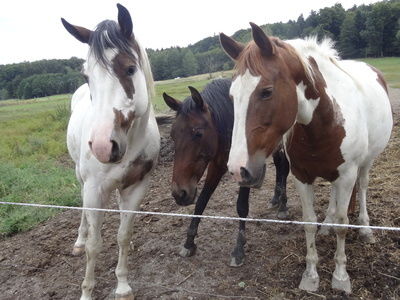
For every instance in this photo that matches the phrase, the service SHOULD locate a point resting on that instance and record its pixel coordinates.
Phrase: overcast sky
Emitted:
(31, 29)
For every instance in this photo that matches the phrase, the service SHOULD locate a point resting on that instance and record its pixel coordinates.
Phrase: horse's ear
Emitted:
(125, 22)
(262, 40)
(231, 47)
(197, 98)
(172, 103)
(80, 33)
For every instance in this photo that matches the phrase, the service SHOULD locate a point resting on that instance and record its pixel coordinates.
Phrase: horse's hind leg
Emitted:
(92, 199)
(282, 171)
(130, 200)
(237, 255)
(363, 218)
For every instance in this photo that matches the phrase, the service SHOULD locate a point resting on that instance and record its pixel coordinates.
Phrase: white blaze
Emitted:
(241, 90)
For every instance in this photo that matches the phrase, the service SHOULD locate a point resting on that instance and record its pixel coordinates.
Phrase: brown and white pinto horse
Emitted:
(112, 137)
(202, 133)
(333, 116)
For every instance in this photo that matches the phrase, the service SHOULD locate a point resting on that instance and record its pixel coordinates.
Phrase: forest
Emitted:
(361, 31)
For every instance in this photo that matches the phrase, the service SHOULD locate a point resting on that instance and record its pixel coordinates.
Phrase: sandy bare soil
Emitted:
(38, 264)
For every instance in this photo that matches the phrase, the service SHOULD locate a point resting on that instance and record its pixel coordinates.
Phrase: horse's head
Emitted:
(118, 80)
(196, 141)
(265, 102)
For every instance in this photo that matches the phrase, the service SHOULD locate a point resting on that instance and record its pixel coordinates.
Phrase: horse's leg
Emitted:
(131, 198)
(242, 207)
(92, 198)
(330, 214)
(310, 278)
(282, 172)
(344, 187)
(79, 246)
(363, 218)
(214, 175)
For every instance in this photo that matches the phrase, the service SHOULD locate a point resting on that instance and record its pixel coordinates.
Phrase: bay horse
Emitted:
(202, 132)
(334, 117)
(112, 137)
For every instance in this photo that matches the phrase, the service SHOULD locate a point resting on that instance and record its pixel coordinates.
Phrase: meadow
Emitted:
(34, 162)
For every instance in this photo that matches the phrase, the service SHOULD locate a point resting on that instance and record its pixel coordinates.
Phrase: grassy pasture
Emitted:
(32, 149)
(34, 164)
(390, 66)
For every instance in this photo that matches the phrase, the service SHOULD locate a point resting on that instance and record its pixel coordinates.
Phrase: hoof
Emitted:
(78, 250)
(342, 285)
(187, 252)
(367, 238)
(127, 296)
(236, 261)
(283, 215)
(309, 283)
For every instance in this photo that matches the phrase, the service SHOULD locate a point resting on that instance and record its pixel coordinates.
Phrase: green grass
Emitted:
(390, 66)
(31, 150)
(178, 88)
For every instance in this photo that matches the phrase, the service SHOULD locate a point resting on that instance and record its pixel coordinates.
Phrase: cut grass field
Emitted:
(34, 163)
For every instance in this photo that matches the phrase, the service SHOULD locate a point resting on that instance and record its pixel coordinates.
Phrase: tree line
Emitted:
(361, 31)
(40, 78)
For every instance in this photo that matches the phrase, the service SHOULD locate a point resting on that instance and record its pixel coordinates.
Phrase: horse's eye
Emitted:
(266, 93)
(131, 70)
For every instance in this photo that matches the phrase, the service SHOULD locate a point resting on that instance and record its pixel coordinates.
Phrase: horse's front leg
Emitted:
(242, 207)
(93, 197)
(310, 278)
(214, 175)
(79, 246)
(344, 186)
(131, 197)
(282, 171)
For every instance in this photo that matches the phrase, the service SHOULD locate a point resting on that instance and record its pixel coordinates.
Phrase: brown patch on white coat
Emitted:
(136, 171)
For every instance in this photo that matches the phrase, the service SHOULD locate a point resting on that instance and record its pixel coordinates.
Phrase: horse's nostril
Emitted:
(90, 144)
(245, 174)
(231, 173)
(183, 194)
(115, 155)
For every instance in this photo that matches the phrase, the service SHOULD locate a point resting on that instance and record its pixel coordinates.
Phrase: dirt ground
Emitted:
(38, 265)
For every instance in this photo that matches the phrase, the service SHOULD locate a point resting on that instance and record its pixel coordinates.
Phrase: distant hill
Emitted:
(40, 78)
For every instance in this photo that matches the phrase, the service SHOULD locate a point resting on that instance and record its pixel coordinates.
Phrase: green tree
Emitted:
(189, 64)
(349, 36)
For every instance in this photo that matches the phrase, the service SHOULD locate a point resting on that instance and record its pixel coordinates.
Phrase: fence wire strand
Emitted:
(154, 213)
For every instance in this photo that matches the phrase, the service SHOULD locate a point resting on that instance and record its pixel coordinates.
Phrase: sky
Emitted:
(31, 29)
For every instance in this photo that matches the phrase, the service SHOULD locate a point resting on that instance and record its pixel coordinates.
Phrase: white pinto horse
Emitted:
(112, 137)
(333, 116)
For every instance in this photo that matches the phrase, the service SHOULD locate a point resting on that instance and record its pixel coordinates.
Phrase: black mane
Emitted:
(108, 35)
(216, 95)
